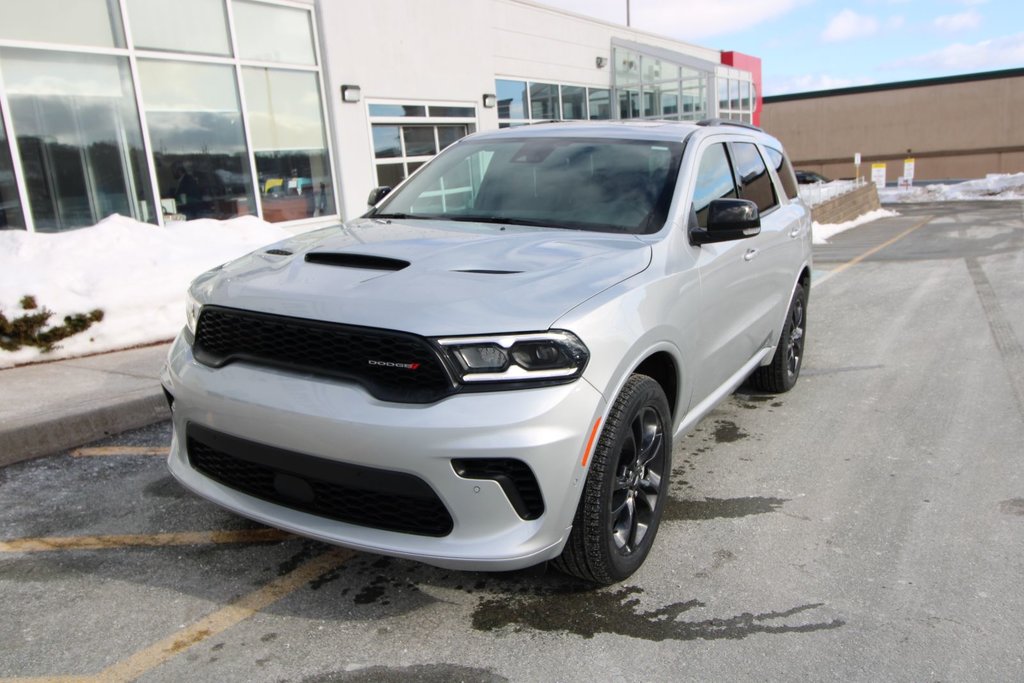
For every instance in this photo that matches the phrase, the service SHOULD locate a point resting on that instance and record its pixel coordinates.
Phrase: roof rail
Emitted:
(729, 122)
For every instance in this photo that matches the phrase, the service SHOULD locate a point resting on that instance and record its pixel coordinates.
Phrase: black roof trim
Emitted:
(729, 122)
(898, 85)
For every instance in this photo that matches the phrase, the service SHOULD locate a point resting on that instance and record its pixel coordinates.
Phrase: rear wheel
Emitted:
(623, 497)
(781, 374)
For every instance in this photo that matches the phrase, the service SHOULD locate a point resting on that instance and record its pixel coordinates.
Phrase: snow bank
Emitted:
(821, 233)
(994, 186)
(135, 272)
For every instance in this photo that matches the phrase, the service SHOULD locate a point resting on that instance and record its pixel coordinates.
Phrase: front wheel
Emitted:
(781, 374)
(623, 497)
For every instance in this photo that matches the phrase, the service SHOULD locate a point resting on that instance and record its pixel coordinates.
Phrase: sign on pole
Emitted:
(908, 170)
(878, 175)
(856, 162)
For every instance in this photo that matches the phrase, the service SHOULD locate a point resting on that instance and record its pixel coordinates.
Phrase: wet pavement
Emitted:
(868, 525)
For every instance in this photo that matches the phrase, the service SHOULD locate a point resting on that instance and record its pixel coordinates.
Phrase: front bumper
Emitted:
(546, 428)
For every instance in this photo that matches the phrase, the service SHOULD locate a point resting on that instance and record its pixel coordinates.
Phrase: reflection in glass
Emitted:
(78, 137)
(543, 101)
(419, 141)
(629, 104)
(76, 22)
(195, 128)
(397, 110)
(390, 175)
(627, 67)
(386, 141)
(287, 133)
(10, 205)
(272, 33)
(745, 102)
(453, 112)
(574, 102)
(181, 26)
(670, 102)
(723, 93)
(600, 103)
(446, 135)
(511, 99)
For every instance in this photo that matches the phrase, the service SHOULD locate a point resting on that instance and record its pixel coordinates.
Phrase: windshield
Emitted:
(579, 183)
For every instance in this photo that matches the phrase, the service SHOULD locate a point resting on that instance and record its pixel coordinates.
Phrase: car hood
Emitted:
(431, 278)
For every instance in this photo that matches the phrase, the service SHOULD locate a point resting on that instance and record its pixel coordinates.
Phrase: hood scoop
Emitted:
(364, 261)
(485, 271)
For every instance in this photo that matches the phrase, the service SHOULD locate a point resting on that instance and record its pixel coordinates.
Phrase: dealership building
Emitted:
(293, 110)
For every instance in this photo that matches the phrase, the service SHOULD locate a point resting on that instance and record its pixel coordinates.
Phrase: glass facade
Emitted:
(406, 136)
(196, 108)
(78, 137)
(521, 102)
(654, 87)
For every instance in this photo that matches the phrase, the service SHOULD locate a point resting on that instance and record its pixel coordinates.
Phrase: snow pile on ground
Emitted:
(136, 273)
(821, 233)
(993, 186)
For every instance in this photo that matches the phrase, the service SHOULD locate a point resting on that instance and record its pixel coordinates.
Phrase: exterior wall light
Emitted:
(351, 93)
(490, 99)
(600, 61)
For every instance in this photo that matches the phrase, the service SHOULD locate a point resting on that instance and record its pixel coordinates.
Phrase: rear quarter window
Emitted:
(785, 171)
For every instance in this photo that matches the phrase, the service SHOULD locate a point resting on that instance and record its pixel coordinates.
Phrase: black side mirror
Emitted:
(377, 194)
(728, 219)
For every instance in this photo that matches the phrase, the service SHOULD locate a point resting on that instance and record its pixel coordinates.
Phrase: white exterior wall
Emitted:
(450, 52)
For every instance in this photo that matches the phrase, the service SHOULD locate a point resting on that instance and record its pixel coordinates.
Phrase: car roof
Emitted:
(626, 130)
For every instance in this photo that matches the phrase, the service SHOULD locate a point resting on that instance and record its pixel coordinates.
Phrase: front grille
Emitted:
(391, 366)
(515, 478)
(367, 496)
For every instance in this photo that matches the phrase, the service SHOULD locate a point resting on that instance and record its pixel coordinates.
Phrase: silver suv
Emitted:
(488, 369)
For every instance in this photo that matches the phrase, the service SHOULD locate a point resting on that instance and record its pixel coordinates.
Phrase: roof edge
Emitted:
(897, 85)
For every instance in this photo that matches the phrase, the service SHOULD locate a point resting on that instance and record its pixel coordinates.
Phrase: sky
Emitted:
(807, 45)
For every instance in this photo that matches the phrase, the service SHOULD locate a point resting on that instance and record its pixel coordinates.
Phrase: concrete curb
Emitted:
(21, 442)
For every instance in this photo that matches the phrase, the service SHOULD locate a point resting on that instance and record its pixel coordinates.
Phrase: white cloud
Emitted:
(683, 19)
(998, 53)
(954, 23)
(848, 25)
(809, 83)
(895, 22)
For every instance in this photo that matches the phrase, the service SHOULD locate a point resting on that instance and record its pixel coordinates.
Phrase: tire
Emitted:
(781, 374)
(624, 494)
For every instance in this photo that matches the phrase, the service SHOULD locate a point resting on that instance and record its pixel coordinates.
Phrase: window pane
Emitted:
(287, 132)
(446, 135)
(714, 181)
(629, 104)
(649, 99)
(453, 112)
(10, 206)
(600, 103)
(511, 99)
(543, 101)
(397, 110)
(195, 127)
(79, 138)
(723, 93)
(419, 141)
(574, 102)
(390, 174)
(670, 102)
(734, 94)
(77, 22)
(271, 33)
(756, 183)
(386, 142)
(785, 171)
(627, 67)
(181, 26)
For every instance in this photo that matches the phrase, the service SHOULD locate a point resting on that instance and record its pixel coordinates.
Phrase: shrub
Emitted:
(27, 329)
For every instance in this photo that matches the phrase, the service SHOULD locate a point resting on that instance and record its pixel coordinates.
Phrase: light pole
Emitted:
(627, 13)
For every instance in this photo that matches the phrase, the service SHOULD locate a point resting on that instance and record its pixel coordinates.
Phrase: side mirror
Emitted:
(377, 194)
(728, 219)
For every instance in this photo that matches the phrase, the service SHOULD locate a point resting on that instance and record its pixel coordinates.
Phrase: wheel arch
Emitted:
(662, 367)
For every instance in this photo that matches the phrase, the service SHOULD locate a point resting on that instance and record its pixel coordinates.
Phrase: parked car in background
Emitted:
(810, 177)
(489, 368)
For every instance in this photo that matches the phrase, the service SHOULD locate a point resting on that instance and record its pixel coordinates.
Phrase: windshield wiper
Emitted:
(504, 220)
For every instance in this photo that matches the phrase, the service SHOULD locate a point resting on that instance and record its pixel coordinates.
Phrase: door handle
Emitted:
(795, 232)
(751, 253)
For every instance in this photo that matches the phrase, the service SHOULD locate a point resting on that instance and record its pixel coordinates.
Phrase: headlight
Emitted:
(541, 356)
(192, 308)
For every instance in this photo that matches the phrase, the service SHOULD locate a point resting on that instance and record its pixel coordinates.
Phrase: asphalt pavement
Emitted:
(868, 525)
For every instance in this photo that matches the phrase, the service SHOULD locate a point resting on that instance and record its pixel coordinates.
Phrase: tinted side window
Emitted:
(714, 181)
(785, 171)
(756, 183)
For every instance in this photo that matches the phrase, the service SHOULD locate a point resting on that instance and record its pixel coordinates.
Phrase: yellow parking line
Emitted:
(213, 624)
(34, 545)
(870, 252)
(120, 450)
